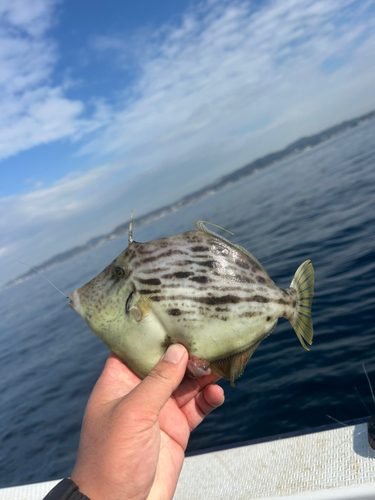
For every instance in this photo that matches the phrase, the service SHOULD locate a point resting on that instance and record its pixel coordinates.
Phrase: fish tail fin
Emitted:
(303, 284)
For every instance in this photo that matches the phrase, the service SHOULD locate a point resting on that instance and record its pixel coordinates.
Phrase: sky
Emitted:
(118, 105)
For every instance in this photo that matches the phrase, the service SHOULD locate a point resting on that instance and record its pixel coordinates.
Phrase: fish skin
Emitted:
(194, 288)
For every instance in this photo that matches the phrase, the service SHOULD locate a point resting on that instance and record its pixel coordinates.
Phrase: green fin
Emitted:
(303, 284)
(234, 366)
(200, 226)
(251, 257)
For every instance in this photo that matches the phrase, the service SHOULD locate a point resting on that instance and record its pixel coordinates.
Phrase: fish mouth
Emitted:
(75, 303)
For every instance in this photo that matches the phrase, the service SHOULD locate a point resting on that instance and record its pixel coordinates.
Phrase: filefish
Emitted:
(197, 289)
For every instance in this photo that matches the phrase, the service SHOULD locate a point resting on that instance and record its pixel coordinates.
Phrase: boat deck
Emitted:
(331, 464)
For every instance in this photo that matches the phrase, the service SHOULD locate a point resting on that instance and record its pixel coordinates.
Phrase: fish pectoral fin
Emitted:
(233, 366)
(141, 308)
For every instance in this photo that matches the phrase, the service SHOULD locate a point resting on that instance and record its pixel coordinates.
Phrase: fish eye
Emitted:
(119, 271)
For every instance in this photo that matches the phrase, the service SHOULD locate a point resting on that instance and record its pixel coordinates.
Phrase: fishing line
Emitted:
(36, 270)
(369, 383)
(364, 404)
(338, 421)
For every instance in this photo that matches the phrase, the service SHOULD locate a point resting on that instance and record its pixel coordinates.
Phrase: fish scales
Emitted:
(195, 288)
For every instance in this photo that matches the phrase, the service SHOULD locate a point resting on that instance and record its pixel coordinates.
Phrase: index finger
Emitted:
(190, 387)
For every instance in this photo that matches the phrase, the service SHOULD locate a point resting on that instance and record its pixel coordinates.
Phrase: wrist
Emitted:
(65, 490)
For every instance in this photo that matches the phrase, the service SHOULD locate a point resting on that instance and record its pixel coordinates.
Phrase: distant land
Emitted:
(296, 147)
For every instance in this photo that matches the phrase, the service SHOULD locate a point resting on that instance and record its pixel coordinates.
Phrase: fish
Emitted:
(195, 288)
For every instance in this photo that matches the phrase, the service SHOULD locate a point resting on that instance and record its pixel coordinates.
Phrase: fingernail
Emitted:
(174, 353)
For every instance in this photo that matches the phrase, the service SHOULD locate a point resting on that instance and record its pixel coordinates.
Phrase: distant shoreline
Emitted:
(299, 146)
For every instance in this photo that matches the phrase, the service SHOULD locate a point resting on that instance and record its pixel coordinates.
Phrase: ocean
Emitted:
(318, 205)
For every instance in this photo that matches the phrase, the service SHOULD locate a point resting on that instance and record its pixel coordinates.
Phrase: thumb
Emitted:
(155, 390)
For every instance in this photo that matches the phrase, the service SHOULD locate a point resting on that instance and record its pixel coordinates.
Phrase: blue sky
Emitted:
(108, 106)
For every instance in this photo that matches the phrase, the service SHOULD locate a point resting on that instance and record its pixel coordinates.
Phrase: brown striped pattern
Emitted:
(194, 273)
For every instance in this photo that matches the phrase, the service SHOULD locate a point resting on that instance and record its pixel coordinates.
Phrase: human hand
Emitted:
(134, 433)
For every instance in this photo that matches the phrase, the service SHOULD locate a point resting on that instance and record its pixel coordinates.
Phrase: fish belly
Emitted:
(212, 334)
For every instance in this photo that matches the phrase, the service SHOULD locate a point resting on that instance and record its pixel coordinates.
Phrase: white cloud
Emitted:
(231, 81)
(32, 111)
(229, 64)
(31, 16)
(65, 198)
(3, 251)
(51, 219)
(224, 66)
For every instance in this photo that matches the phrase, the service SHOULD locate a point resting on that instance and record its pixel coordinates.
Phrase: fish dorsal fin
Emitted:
(234, 366)
(200, 226)
(251, 257)
(130, 233)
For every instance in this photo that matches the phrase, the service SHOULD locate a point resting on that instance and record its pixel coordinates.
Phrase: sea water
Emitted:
(318, 205)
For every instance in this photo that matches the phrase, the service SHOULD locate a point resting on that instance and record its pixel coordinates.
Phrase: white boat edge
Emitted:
(37, 491)
(331, 464)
